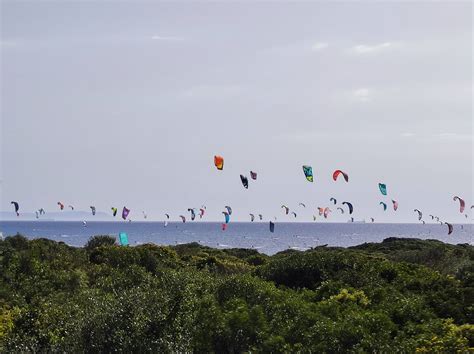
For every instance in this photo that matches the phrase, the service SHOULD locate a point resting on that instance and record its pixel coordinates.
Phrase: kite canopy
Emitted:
(384, 205)
(114, 211)
(16, 206)
(123, 239)
(395, 205)
(342, 210)
(349, 205)
(229, 209)
(450, 228)
(383, 188)
(462, 204)
(308, 172)
(253, 175)
(125, 213)
(61, 205)
(226, 216)
(183, 218)
(326, 212)
(92, 209)
(245, 181)
(252, 217)
(260, 216)
(219, 162)
(420, 214)
(302, 204)
(193, 214)
(71, 206)
(287, 210)
(272, 226)
(336, 174)
(293, 213)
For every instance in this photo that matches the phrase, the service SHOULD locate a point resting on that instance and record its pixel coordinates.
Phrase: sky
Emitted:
(126, 103)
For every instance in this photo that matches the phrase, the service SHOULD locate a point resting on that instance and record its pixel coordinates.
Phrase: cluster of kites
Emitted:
(324, 211)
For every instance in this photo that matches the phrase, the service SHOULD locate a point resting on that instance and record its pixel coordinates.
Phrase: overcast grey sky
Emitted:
(126, 104)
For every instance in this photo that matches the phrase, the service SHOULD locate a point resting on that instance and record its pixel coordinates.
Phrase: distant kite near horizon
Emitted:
(384, 205)
(114, 211)
(462, 204)
(61, 205)
(383, 188)
(308, 172)
(245, 181)
(16, 206)
(219, 162)
(253, 175)
(395, 205)
(336, 174)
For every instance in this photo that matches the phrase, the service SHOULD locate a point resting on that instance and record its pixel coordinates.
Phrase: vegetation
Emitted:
(402, 295)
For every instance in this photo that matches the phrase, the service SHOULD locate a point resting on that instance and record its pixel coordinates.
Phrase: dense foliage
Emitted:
(401, 295)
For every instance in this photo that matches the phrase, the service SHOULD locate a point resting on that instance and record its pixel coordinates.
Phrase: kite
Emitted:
(253, 175)
(293, 213)
(287, 210)
(336, 174)
(245, 181)
(342, 210)
(252, 217)
(420, 214)
(41, 211)
(395, 205)
(260, 216)
(321, 211)
(16, 206)
(114, 211)
(431, 216)
(182, 218)
(384, 205)
(326, 212)
(125, 213)
(93, 209)
(167, 218)
(308, 172)
(227, 217)
(437, 218)
(383, 188)
(349, 205)
(333, 200)
(302, 204)
(450, 228)
(272, 226)
(37, 215)
(144, 215)
(229, 209)
(123, 239)
(314, 217)
(193, 215)
(61, 205)
(70, 206)
(201, 212)
(462, 204)
(372, 219)
(219, 162)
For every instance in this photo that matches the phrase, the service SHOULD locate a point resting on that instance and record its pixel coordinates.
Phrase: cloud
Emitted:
(362, 95)
(319, 46)
(364, 49)
(166, 38)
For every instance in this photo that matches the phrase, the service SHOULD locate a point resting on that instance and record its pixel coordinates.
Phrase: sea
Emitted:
(256, 235)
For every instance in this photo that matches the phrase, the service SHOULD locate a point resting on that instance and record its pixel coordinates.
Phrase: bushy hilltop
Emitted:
(400, 295)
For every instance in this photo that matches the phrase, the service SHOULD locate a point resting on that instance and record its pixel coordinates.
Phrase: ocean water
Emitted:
(300, 236)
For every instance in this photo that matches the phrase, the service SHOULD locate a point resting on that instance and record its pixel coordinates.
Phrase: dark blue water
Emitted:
(299, 236)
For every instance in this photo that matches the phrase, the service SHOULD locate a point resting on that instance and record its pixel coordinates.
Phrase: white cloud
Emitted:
(319, 46)
(166, 38)
(364, 49)
(362, 95)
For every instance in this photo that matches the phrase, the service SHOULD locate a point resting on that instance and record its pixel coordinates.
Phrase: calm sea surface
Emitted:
(255, 235)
